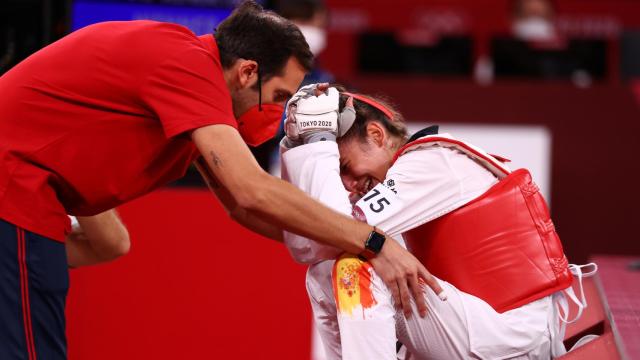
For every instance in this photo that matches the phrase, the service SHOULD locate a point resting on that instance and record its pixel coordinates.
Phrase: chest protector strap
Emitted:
(501, 247)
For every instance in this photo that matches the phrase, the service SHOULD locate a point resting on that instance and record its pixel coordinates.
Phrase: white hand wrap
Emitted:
(308, 114)
(318, 113)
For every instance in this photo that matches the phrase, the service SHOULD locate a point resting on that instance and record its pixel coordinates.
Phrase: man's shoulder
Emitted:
(148, 27)
(153, 37)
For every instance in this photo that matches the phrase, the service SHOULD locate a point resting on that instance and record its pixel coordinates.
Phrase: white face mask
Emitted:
(316, 38)
(534, 28)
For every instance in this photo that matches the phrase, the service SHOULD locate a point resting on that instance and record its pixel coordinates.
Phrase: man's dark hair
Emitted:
(252, 33)
(300, 9)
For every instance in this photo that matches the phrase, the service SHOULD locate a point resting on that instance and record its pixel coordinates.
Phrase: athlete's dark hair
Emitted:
(366, 113)
(252, 33)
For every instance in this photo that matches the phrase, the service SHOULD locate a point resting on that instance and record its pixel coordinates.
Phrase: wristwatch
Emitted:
(373, 245)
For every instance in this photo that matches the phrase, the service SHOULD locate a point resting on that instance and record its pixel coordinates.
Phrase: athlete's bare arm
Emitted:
(283, 205)
(99, 238)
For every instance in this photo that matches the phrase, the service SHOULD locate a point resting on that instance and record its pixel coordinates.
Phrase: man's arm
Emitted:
(274, 200)
(238, 214)
(287, 207)
(99, 238)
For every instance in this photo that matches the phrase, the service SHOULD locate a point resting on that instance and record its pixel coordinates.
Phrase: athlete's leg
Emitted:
(465, 327)
(323, 305)
(365, 311)
(442, 334)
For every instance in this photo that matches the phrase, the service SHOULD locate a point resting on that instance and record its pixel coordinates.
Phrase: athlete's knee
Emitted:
(319, 283)
(348, 270)
(353, 284)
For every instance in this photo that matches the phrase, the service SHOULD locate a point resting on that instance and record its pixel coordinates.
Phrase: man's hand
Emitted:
(403, 273)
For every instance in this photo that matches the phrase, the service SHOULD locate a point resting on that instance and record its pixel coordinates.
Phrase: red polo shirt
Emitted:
(99, 118)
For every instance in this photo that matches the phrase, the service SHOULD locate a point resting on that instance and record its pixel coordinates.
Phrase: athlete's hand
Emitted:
(403, 273)
(313, 114)
(308, 91)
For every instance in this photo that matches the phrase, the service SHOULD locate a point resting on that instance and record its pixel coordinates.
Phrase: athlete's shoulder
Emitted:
(419, 154)
(446, 147)
(422, 146)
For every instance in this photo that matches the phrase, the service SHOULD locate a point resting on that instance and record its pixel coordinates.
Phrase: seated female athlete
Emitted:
(481, 229)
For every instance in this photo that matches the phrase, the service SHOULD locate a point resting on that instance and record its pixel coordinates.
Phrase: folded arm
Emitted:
(96, 239)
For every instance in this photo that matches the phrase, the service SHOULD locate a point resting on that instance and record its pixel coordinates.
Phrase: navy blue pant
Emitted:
(34, 281)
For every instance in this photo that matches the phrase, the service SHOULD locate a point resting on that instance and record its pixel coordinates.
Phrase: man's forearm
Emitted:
(291, 209)
(257, 225)
(79, 250)
(273, 200)
(98, 238)
(238, 214)
(106, 233)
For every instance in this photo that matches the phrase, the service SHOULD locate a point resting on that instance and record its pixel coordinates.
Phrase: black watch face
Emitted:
(375, 242)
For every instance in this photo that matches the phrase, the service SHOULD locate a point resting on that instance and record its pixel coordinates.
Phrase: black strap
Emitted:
(431, 130)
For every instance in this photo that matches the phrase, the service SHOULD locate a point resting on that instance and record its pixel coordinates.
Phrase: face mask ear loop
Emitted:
(259, 91)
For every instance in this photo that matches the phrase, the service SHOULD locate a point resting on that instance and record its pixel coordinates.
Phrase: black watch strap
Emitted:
(373, 245)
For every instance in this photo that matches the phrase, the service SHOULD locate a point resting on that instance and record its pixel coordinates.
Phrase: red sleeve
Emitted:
(187, 91)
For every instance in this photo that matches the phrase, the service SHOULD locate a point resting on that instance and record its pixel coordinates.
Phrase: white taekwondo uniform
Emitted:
(422, 185)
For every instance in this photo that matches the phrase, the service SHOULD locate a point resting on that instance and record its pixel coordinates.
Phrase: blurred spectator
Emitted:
(533, 20)
(536, 48)
(311, 17)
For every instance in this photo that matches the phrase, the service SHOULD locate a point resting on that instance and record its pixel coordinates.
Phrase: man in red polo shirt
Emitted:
(117, 109)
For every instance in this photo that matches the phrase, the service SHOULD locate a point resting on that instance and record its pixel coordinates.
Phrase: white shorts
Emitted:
(363, 323)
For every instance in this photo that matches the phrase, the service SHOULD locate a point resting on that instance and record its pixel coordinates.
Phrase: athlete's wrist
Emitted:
(320, 136)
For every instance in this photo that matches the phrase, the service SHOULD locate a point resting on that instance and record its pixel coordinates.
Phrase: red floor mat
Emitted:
(621, 286)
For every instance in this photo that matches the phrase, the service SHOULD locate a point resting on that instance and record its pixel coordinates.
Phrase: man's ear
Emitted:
(247, 71)
(375, 133)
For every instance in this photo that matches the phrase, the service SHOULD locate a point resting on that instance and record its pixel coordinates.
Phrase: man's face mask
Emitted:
(260, 123)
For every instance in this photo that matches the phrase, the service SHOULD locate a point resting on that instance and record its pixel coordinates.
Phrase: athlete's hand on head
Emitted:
(308, 91)
(403, 274)
(313, 114)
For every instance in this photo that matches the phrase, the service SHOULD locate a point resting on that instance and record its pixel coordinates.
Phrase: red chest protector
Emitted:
(501, 247)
